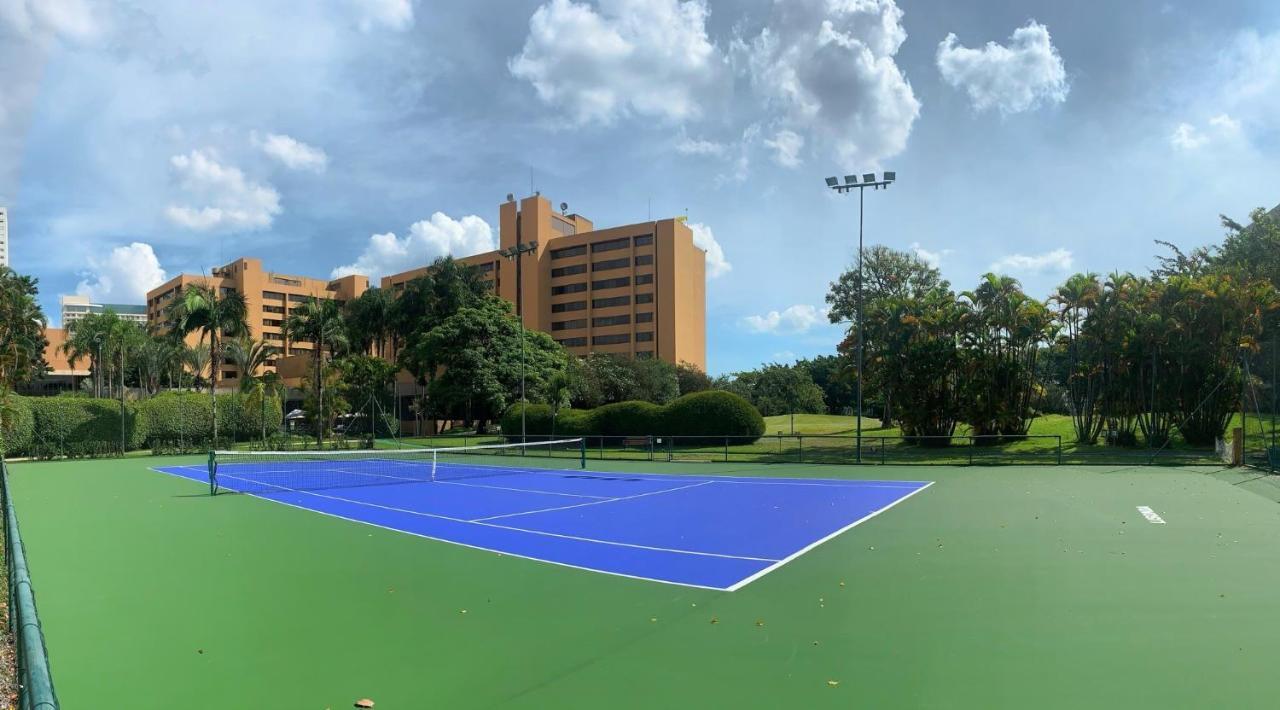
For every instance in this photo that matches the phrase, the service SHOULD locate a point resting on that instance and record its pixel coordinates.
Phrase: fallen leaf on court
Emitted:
(759, 622)
(833, 683)
(714, 620)
(364, 703)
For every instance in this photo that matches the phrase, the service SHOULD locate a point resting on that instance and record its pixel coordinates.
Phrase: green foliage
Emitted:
(777, 389)
(71, 426)
(181, 421)
(17, 424)
(690, 378)
(711, 414)
(22, 325)
(835, 376)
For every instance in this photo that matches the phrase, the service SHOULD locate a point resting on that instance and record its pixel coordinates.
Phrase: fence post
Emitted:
(1059, 449)
(726, 449)
(971, 445)
(582, 453)
(800, 443)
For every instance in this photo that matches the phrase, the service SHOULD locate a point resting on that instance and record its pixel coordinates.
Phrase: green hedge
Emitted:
(19, 426)
(710, 415)
(50, 427)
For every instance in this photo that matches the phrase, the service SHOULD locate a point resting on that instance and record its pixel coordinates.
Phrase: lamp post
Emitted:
(850, 184)
(514, 253)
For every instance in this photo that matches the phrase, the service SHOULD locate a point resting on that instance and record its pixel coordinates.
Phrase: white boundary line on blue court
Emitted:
(500, 553)
(748, 580)
(594, 502)
(480, 521)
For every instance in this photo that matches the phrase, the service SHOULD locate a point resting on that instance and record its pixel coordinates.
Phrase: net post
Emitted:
(582, 453)
(213, 474)
(435, 456)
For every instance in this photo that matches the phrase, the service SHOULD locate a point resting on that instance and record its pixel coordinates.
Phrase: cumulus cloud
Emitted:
(786, 147)
(439, 236)
(228, 200)
(697, 146)
(932, 258)
(1058, 260)
(619, 57)
(1011, 79)
(829, 67)
(124, 275)
(73, 20)
(291, 152)
(703, 238)
(391, 14)
(1187, 136)
(792, 320)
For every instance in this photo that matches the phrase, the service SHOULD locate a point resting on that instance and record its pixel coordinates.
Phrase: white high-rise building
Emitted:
(4, 236)
(76, 307)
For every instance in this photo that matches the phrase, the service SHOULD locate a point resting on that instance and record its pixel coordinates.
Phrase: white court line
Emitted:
(744, 582)
(595, 502)
(481, 523)
(504, 553)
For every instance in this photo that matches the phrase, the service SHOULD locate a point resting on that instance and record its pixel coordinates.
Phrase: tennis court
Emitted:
(719, 532)
(994, 587)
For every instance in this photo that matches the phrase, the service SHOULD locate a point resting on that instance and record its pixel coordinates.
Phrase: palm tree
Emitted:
(214, 315)
(196, 361)
(318, 321)
(250, 356)
(123, 338)
(85, 339)
(22, 325)
(368, 320)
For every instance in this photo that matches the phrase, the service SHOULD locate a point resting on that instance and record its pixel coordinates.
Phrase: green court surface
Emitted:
(1002, 587)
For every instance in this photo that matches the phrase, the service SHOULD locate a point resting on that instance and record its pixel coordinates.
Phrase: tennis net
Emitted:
(282, 471)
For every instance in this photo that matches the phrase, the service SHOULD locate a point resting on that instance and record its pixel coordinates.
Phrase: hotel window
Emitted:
(485, 267)
(644, 298)
(574, 324)
(610, 320)
(229, 374)
(611, 245)
(570, 306)
(644, 240)
(569, 270)
(299, 298)
(620, 282)
(273, 322)
(610, 302)
(273, 309)
(567, 252)
(572, 342)
(610, 264)
(568, 288)
(644, 279)
(644, 337)
(644, 259)
(644, 317)
(611, 339)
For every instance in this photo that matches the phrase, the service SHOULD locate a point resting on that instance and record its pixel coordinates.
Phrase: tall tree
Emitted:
(251, 357)
(319, 322)
(1076, 298)
(369, 322)
(22, 325)
(214, 314)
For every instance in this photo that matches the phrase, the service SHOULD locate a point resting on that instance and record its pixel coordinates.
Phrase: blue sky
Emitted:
(139, 139)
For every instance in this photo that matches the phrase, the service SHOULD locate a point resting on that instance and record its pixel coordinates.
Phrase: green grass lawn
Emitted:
(1006, 587)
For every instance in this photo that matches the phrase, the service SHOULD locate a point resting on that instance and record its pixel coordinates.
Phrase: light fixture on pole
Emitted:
(851, 183)
(514, 253)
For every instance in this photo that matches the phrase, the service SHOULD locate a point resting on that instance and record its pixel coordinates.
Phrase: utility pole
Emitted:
(514, 253)
(851, 183)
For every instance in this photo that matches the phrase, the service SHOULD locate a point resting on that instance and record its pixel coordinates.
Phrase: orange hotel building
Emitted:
(638, 290)
(268, 295)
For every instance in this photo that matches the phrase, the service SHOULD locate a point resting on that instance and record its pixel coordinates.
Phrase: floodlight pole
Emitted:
(851, 182)
(514, 253)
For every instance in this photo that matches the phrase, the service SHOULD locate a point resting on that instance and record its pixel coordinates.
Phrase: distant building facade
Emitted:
(269, 297)
(76, 307)
(637, 290)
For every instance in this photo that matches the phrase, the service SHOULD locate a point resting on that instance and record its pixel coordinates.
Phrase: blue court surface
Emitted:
(714, 532)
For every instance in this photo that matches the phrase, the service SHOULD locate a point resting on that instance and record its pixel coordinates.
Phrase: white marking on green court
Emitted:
(1150, 515)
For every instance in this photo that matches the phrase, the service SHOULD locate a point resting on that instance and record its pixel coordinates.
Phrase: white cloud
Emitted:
(123, 276)
(617, 57)
(427, 239)
(231, 202)
(703, 239)
(1187, 136)
(1058, 260)
(697, 146)
(932, 258)
(1011, 79)
(792, 320)
(786, 147)
(391, 14)
(66, 19)
(829, 67)
(292, 153)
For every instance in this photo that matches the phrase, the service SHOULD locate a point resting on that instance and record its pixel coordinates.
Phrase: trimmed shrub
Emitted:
(77, 426)
(711, 414)
(180, 421)
(627, 419)
(19, 426)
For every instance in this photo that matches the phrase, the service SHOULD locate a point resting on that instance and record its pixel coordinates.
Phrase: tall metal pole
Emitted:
(524, 404)
(860, 324)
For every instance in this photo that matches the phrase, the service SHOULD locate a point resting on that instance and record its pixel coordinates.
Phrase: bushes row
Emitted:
(710, 414)
(48, 427)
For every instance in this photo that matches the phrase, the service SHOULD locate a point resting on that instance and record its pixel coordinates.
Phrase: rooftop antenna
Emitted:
(564, 208)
